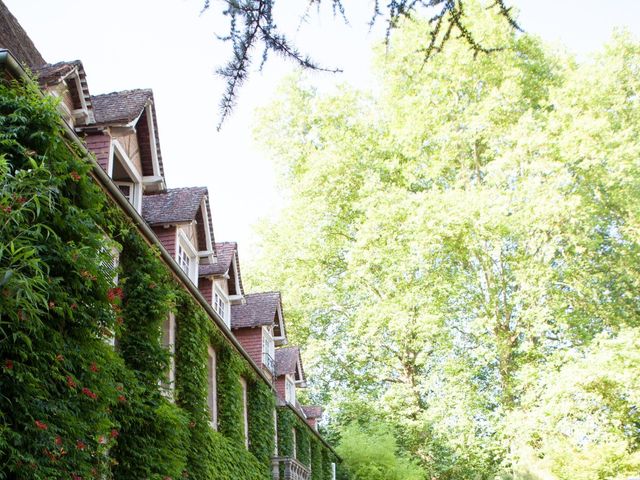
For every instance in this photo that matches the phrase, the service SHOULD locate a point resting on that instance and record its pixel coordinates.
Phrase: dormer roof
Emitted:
(227, 265)
(289, 362)
(312, 411)
(53, 74)
(225, 252)
(121, 108)
(180, 205)
(260, 309)
(128, 109)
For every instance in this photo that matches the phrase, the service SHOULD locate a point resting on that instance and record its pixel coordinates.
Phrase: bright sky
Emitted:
(167, 46)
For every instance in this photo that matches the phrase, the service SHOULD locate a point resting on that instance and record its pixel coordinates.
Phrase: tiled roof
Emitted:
(312, 411)
(51, 74)
(15, 39)
(120, 107)
(259, 310)
(225, 252)
(176, 205)
(286, 360)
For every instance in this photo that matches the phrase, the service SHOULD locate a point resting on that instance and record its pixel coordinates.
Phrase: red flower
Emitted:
(121, 398)
(8, 364)
(75, 176)
(114, 433)
(74, 306)
(21, 200)
(115, 292)
(102, 440)
(41, 425)
(70, 382)
(80, 445)
(119, 388)
(94, 368)
(58, 440)
(6, 209)
(119, 320)
(89, 393)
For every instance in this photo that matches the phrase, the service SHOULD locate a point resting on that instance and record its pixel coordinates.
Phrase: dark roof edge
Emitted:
(9, 61)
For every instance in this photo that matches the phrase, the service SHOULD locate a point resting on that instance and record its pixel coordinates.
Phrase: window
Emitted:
(221, 305)
(268, 350)
(169, 342)
(245, 411)
(186, 257)
(212, 393)
(290, 390)
(294, 438)
(126, 176)
(275, 432)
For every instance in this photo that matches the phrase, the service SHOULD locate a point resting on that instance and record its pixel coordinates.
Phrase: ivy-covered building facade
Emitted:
(129, 348)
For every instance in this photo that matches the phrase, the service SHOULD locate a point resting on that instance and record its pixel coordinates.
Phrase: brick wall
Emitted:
(280, 388)
(205, 285)
(251, 341)
(167, 237)
(100, 145)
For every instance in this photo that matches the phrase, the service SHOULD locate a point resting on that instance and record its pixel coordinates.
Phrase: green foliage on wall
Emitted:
(72, 405)
(310, 451)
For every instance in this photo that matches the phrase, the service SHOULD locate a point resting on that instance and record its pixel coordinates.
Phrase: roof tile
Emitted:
(176, 205)
(120, 107)
(286, 360)
(259, 309)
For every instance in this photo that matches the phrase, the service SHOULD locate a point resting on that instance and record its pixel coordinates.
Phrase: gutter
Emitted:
(9, 62)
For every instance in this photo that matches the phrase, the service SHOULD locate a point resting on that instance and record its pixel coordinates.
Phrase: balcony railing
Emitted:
(288, 468)
(269, 362)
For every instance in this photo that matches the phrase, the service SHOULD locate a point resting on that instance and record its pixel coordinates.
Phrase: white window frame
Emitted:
(187, 247)
(294, 436)
(268, 348)
(212, 387)
(289, 390)
(226, 307)
(333, 471)
(130, 168)
(245, 410)
(275, 433)
(169, 342)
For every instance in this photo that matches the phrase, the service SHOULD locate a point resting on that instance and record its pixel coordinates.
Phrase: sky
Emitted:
(169, 46)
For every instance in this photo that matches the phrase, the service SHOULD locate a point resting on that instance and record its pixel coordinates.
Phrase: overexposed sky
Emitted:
(168, 46)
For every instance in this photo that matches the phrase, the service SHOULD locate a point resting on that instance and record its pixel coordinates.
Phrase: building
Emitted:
(191, 375)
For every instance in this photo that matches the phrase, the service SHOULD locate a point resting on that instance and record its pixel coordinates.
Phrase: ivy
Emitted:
(73, 405)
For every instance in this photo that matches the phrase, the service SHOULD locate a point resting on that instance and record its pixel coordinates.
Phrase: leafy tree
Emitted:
(472, 222)
(370, 454)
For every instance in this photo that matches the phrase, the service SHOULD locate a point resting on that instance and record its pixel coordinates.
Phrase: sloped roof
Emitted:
(52, 74)
(287, 360)
(225, 252)
(176, 205)
(120, 107)
(259, 309)
(312, 411)
(14, 38)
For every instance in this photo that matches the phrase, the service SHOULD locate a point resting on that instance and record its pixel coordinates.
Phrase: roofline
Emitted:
(9, 61)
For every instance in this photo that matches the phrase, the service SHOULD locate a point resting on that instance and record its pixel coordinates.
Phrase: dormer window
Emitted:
(186, 257)
(268, 350)
(126, 176)
(221, 305)
(290, 390)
